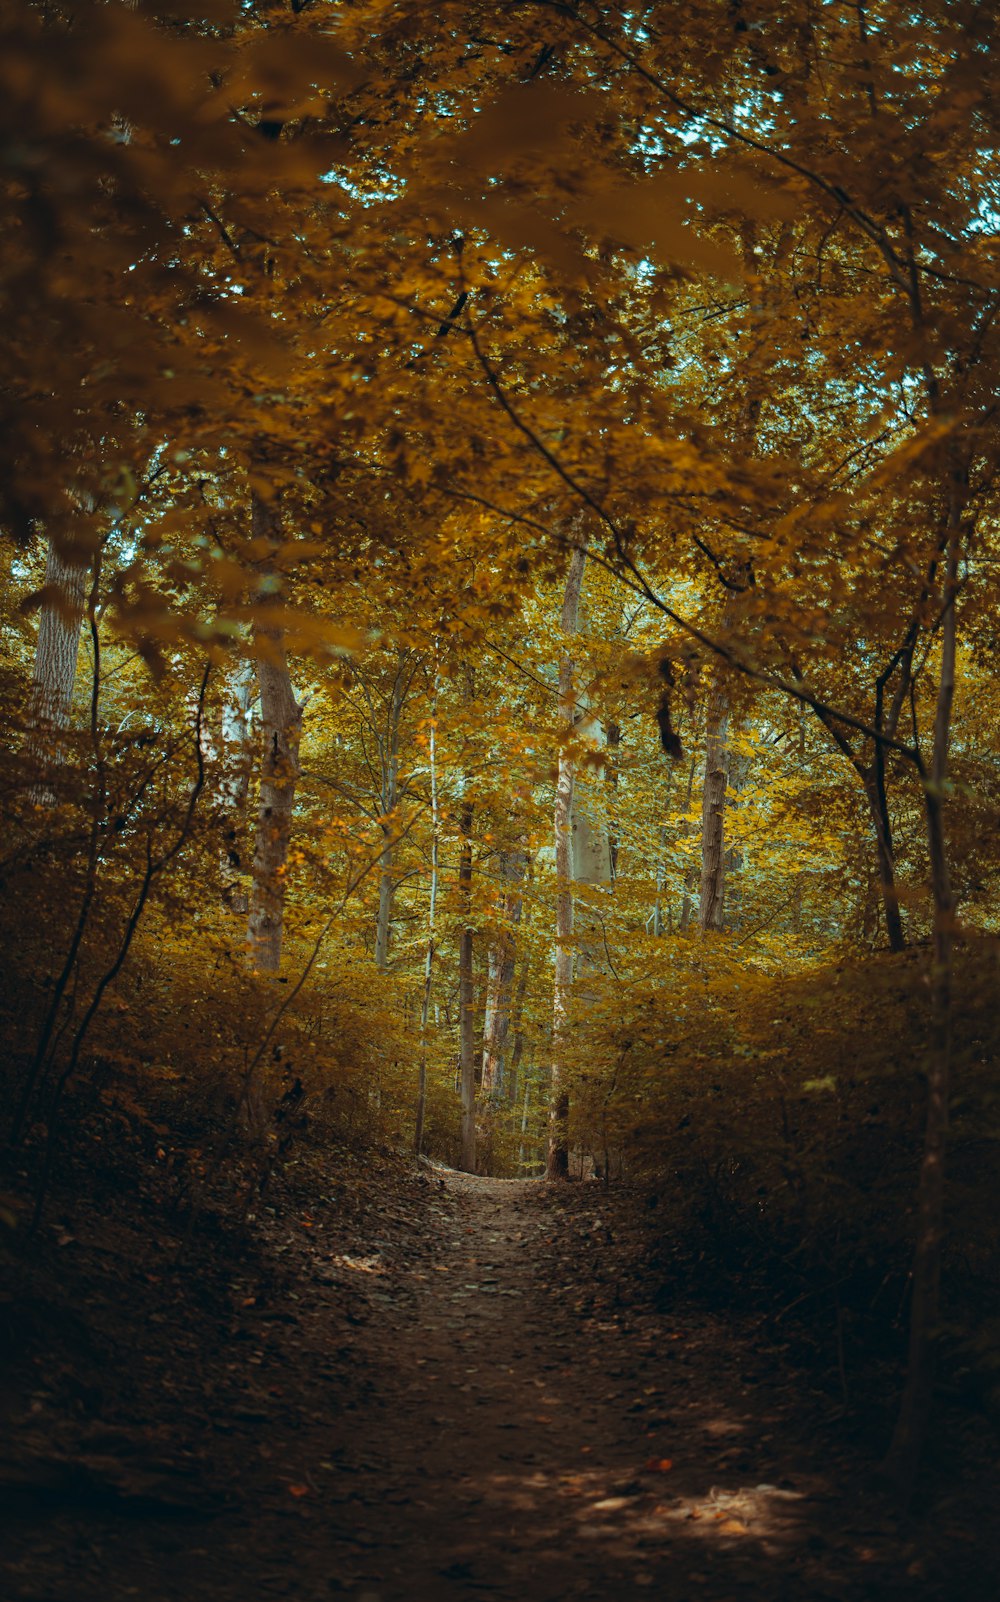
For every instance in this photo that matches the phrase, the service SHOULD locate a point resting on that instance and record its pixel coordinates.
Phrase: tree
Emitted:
(464, 314)
(281, 724)
(558, 1157)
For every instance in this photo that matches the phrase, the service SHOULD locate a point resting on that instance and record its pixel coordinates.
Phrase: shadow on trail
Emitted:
(470, 1389)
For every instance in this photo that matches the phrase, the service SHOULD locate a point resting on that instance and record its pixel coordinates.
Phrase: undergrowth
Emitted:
(775, 1126)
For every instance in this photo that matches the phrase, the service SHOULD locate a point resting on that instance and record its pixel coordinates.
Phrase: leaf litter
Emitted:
(327, 1419)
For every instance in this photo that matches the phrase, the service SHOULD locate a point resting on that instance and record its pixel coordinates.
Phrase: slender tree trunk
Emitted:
(49, 1034)
(499, 974)
(739, 767)
(872, 776)
(517, 1012)
(425, 999)
(388, 801)
(654, 923)
(613, 740)
(925, 1306)
(558, 1155)
(386, 892)
(592, 865)
(502, 960)
(466, 997)
(711, 906)
(797, 896)
(56, 653)
(281, 723)
(684, 922)
(713, 814)
(558, 1159)
(234, 783)
(522, 1144)
(885, 857)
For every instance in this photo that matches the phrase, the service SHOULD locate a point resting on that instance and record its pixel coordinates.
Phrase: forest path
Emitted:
(471, 1392)
(539, 1435)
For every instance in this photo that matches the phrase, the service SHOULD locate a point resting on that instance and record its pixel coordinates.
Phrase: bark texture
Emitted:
(517, 1015)
(739, 769)
(511, 867)
(56, 653)
(713, 814)
(557, 1166)
(233, 784)
(466, 998)
(687, 829)
(386, 894)
(281, 728)
(431, 948)
(386, 723)
(925, 1304)
(884, 855)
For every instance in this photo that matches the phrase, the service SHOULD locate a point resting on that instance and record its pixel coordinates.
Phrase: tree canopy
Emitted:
(500, 614)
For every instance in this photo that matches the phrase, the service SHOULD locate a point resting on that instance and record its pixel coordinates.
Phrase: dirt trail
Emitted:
(530, 1435)
(478, 1398)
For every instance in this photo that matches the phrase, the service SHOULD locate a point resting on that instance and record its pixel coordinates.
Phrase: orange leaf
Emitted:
(658, 1465)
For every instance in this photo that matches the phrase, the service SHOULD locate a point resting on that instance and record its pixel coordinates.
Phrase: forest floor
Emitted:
(435, 1387)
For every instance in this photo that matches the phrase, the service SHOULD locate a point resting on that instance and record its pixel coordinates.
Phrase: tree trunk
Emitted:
(44, 1046)
(885, 857)
(654, 923)
(386, 892)
(558, 1155)
(873, 780)
(739, 767)
(613, 740)
(234, 783)
(425, 1000)
(502, 959)
(522, 1144)
(517, 1014)
(684, 922)
(281, 721)
(466, 998)
(925, 1305)
(713, 814)
(388, 802)
(56, 653)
